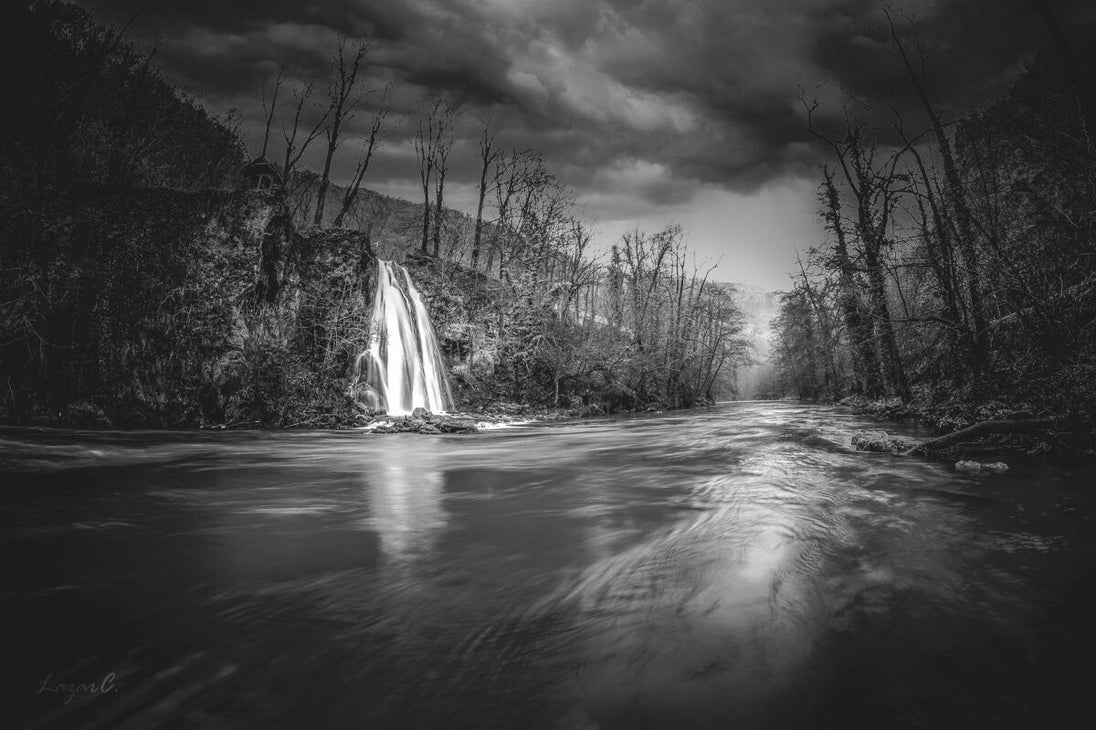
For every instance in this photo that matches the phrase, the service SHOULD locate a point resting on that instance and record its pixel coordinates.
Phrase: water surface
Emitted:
(740, 568)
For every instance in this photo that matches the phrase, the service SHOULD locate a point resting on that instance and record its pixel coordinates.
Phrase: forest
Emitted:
(150, 279)
(957, 278)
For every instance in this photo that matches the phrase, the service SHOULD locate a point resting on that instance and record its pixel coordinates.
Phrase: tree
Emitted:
(270, 106)
(858, 326)
(295, 150)
(958, 204)
(343, 96)
(444, 123)
(365, 156)
(488, 154)
(874, 188)
(427, 134)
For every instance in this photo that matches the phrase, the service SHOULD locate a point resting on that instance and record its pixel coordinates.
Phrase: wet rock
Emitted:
(430, 424)
(420, 414)
(879, 441)
(456, 424)
(978, 466)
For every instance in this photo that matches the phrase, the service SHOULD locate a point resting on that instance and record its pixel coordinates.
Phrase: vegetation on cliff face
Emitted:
(960, 266)
(154, 307)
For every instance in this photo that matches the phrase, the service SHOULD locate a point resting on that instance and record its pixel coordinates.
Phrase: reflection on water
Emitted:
(403, 490)
(740, 567)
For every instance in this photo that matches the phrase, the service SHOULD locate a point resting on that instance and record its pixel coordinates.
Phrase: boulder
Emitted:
(451, 424)
(878, 441)
(430, 424)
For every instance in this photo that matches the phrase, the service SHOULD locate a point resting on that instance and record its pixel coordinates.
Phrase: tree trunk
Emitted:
(892, 362)
(957, 198)
(865, 359)
(325, 180)
(1029, 425)
(425, 219)
(438, 198)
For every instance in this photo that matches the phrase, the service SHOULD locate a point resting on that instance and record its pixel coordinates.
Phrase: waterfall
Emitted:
(402, 368)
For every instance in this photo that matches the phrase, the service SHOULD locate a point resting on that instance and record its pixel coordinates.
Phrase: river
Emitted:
(740, 567)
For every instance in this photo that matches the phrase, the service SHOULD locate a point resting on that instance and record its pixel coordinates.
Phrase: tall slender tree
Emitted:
(270, 105)
(344, 95)
(365, 156)
(426, 145)
(858, 326)
(873, 187)
(488, 154)
(445, 125)
(294, 146)
(957, 201)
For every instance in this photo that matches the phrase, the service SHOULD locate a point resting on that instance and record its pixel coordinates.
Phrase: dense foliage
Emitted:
(960, 268)
(165, 308)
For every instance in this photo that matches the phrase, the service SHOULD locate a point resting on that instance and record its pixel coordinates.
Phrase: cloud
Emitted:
(656, 99)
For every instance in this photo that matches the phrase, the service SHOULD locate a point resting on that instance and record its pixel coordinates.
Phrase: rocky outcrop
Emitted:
(424, 422)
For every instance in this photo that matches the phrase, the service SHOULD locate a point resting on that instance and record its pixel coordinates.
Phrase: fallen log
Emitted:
(985, 428)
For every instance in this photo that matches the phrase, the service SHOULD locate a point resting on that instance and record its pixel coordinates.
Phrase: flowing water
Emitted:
(402, 368)
(737, 568)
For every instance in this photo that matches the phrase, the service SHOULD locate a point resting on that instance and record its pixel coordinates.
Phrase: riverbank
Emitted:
(485, 418)
(989, 430)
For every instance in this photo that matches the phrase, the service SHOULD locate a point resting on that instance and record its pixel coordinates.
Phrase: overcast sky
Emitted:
(652, 111)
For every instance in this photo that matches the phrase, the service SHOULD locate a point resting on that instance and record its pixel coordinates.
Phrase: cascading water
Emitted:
(402, 368)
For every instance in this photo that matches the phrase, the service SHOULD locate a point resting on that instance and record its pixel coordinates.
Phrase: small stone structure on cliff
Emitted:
(260, 174)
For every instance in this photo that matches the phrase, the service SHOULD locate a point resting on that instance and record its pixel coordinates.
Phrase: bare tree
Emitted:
(445, 123)
(488, 154)
(857, 322)
(369, 146)
(426, 136)
(957, 199)
(433, 143)
(343, 96)
(294, 150)
(873, 188)
(270, 105)
(506, 183)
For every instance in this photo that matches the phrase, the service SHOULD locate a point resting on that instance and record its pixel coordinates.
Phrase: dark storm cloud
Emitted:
(652, 96)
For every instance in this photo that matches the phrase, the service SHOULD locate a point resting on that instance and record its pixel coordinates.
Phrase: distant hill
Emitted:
(393, 224)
